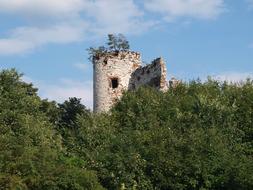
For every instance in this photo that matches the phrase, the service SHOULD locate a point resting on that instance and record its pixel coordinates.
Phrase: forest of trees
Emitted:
(198, 135)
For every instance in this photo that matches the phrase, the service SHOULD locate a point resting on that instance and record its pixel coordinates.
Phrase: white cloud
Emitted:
(200, 9)
(55, 8)
(82, 18)
(65, 89)
(250, 2)
(11, 46)
(104, 12)
(114, 16)
(24, 39)
(82, 66)
(68, 21)
(233, 76)
(27, 79)
(68, 89)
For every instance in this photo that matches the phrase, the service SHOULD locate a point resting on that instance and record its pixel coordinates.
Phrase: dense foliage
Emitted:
(195, 136)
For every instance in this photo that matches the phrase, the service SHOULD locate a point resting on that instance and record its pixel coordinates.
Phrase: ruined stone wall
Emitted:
(111, 76)
(153, 75)
(173, 82)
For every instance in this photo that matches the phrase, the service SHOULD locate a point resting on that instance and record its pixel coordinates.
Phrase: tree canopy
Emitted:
(198, 135)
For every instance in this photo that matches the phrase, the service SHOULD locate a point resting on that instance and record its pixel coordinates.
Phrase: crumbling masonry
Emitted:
(116, 72)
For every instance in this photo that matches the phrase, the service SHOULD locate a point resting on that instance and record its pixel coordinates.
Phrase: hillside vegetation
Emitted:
(195, 136)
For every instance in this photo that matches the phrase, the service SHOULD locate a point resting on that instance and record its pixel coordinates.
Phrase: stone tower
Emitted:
(118, 71)
(111, 76)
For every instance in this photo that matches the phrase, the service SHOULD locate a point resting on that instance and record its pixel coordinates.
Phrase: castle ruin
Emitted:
(118, 71)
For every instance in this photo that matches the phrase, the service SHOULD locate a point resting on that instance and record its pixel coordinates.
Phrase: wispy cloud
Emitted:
(82, 66)
(25, 39)
(68, 21)
(114, 16)
(172, 9)
(64, 89)
(11, 46)
(43, 8)
(233, 76)
(250, 3)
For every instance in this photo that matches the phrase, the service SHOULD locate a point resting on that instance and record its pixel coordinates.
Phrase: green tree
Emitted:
(115, 43)
(69, 110)
(195, 136)
(187, 138)
(31, 152)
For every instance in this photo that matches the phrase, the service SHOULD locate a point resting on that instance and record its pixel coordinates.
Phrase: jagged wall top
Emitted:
(118, 71)
(116, 55)
(111, 75)
(153, 75)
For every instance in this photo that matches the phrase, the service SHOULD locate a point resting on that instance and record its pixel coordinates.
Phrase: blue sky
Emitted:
(47, 39)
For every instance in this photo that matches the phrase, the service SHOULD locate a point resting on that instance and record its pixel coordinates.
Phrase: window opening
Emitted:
(115, 82)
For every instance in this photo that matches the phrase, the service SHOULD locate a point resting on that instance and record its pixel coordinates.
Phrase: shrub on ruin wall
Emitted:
(115, 43)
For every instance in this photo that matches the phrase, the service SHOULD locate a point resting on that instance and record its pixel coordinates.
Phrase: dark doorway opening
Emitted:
(115, 82)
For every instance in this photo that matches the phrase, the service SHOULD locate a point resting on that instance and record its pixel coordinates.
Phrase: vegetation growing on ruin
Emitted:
(115, 43)
(195, 136)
